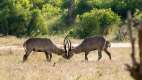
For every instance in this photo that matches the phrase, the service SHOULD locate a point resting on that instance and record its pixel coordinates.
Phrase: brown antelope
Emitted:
(89, 44)
(42, 45)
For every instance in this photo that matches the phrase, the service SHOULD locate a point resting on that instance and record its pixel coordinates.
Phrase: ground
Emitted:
(37, 68)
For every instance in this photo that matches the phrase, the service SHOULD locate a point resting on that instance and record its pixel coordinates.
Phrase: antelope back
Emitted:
(38, 43)
(93, 42)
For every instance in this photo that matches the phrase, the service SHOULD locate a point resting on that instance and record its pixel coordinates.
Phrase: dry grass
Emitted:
(12, 40)
(36, 68)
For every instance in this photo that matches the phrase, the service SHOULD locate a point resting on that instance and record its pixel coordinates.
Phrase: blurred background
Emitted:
(77, 18)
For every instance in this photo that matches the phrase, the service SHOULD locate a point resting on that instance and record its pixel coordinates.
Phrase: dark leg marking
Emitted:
(99, 54)
(47, 56)
(86, 53)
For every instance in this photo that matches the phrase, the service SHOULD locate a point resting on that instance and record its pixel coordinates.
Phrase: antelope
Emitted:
(89, 44)
(42, 45)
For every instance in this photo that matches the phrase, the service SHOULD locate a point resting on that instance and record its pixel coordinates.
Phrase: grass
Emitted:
(36, 67)
(12, 40)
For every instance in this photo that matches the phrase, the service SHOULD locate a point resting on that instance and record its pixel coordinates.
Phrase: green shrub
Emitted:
(59, 26)
(49, 11)
(122, 6)
(138, 15)
(56, 3)
(37, 25)
(15, 16)
(83, 6)
(95, 22)
(100, 4)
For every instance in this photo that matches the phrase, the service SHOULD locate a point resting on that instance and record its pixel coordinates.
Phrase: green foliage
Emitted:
(37, 24)
(100, 4)
(58, 25)
(138, 15)
(27, 17)
(96, 22)
(39, 17)
(37, 3)
(83, 6)
(119, 6)
(57, 3)
(122, 6)
(15, 17)
(49, 10)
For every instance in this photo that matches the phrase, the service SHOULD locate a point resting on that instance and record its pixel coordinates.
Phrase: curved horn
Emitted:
(69, 44)
(65, 42)
(65, 45)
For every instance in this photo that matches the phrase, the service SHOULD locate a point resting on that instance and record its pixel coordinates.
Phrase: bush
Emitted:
(138, 15)
(122, 6)
(49, 11)
(58, 25)
(56, 3)
(95, 22)
(83, 6)
(14, 17)
(100, 4)
(37, 25)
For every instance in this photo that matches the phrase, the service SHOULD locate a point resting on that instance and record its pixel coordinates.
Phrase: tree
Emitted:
(70, 15)
(136, 68)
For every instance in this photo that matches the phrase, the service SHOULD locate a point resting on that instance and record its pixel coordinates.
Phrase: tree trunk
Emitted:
(71, 16)
(140, 49)
(132, 40)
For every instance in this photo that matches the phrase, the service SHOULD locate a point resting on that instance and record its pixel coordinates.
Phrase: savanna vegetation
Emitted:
(78, 18)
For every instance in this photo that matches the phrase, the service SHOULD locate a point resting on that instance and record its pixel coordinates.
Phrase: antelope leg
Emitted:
(26, 55)
(50, 55)
(47, 56)
(99, 54)
(86, 53)
(108, 53)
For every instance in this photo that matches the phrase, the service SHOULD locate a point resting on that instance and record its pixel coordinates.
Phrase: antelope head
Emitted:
(108, 44)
